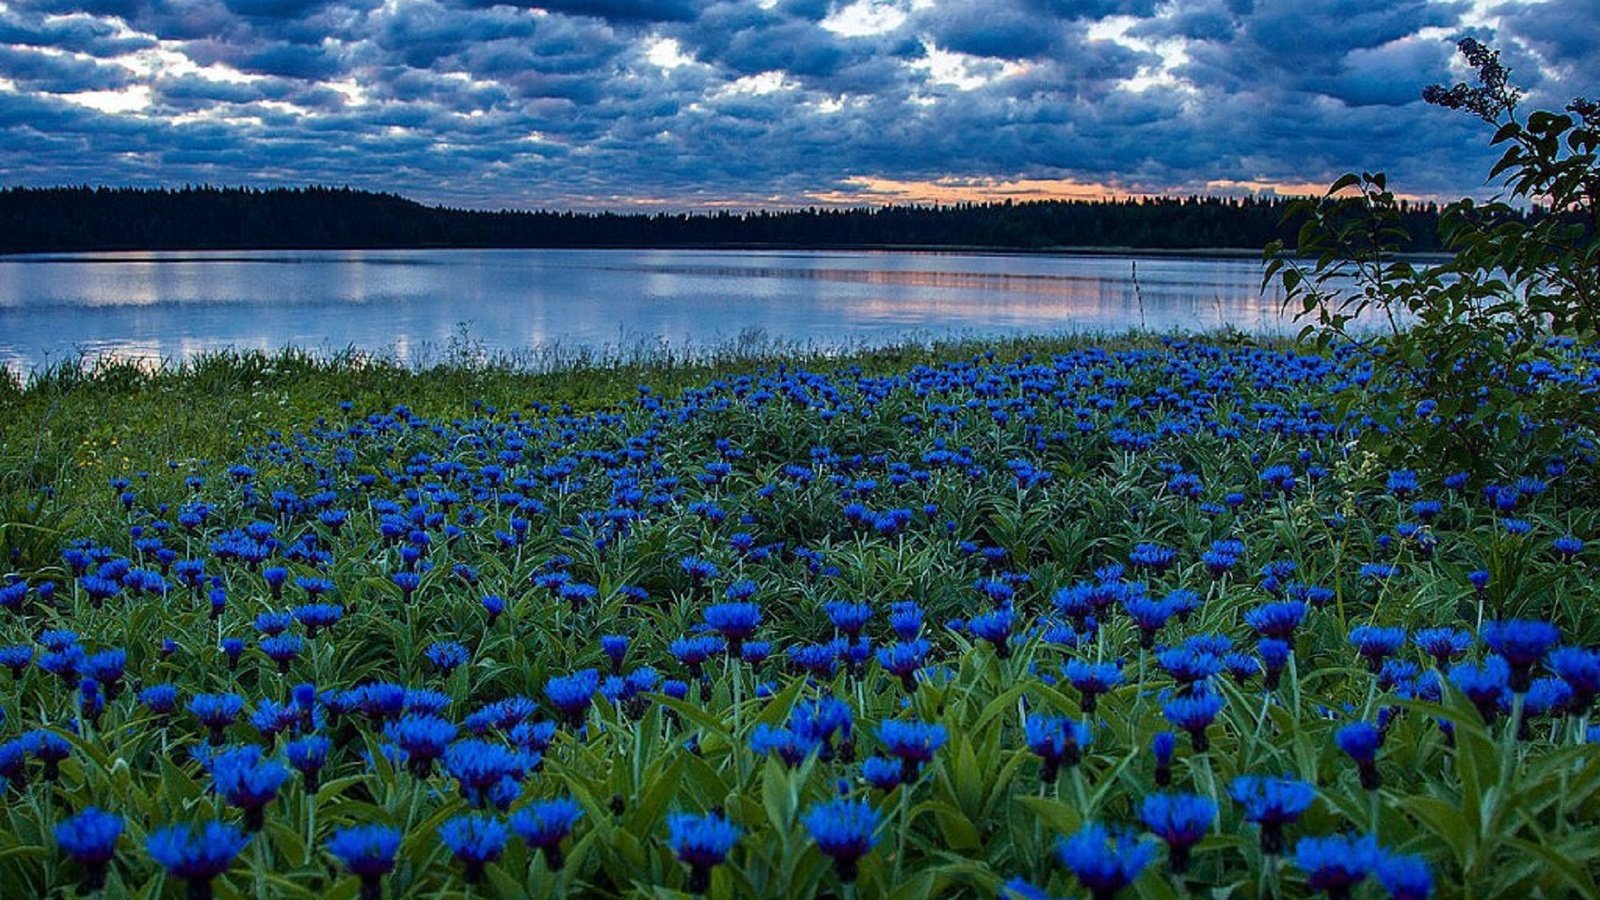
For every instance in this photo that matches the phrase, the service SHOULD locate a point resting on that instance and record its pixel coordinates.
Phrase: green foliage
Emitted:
(1473, 335)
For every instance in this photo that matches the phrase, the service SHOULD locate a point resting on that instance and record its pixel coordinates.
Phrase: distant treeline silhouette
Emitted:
(212, 218)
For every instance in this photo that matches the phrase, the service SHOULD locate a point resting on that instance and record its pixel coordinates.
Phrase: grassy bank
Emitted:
(923, 621)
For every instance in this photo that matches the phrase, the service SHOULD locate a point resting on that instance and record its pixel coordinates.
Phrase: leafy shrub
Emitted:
(1468, 339)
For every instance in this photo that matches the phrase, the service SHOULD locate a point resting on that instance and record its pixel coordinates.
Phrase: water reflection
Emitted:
(176, 305)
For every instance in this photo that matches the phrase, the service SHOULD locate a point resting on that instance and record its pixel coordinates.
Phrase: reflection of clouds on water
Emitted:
(408, 305)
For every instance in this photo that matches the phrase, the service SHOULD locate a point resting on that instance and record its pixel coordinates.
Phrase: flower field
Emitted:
(1142, 620)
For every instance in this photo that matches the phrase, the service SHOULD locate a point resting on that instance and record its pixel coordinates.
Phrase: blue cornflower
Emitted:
(1162, 747)
(904, 660)
(1091, 680)
(1154, 557)
(1149, 615)
(216, 712)
(1522, 642)
(282, 649)
(1102, 864)
(572, 694)
(307, 755)
(702, 842)
(995, 627)
(849, 618)
(883, 772)
(90, 839)
(16, 657)
(1487, 686)
(791, 747)
(1057, 740)
(367, 851)
(1194, 714)
(1360, 741)
(1336, 863)
(1567, 546)
(1375, 643)
(615, 647)
(247, 781)
(196, 857)
(545, 824)
(476, 839)
(1179, 819)
(1405, 877)
(424, 738)
(1278, 619)
(1580, 669)
(845, 830)
(481, 768)
(914, 743)
(735, 621)
(446, 656)
(318, 616)
(1272, 802)
(1443, 644)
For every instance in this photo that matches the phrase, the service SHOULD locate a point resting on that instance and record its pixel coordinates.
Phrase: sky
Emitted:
(697, 104)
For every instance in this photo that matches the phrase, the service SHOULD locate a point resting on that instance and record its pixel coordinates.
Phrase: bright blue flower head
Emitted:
(367, 851)
(702, 842)
(476, 840)
(1336, 863)
(1272, 803)
(1179, 819)
(196, 856)
(1104, 865)
(1405, 877)
(845, 830)
(1522, 642)
(1194, 714)
(913, 742)
(90, 839)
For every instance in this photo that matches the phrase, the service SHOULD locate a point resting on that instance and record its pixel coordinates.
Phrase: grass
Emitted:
(1042, 501)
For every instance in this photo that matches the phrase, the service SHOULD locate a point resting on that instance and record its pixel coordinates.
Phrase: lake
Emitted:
(418, 305)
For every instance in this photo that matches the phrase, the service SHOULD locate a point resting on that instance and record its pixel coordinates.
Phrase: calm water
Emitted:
(413, 303)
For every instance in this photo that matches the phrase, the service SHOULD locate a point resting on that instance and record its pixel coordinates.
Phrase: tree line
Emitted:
(62, 219)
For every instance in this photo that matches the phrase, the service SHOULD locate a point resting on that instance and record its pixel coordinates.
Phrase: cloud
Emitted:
(557, 103)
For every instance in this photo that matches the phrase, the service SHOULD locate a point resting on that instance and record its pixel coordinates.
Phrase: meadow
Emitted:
(1140, 617)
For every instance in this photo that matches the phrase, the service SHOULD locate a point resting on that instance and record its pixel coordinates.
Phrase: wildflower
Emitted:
(1522, 643)
(913, 742)
(1271, 803)
(703, 843)
(1102, 864)
(197, 857)
(216, 712)
(367, 851)
(995, 628)
(1277, 620)
(1179, 819)
(1404, 877)
(1580, 669)
(572, 694)
(247, 781)
(1443, 644)
(1162, 747)
(904, 660)
(90, 839)
(1091, 680)
(1274, 655)
(476, 840)
(480, 768)
(1487, 686)
(545, 824)
(1337, 863)
(1057, 740)
(845, 831)
(735, 621)
(308, 755)
(1193, 714)
(1376, 643)
(883, 772)
(446, 656)
(1360, 741)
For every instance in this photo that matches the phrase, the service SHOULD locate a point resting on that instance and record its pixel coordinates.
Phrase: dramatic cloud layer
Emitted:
(691, 103)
